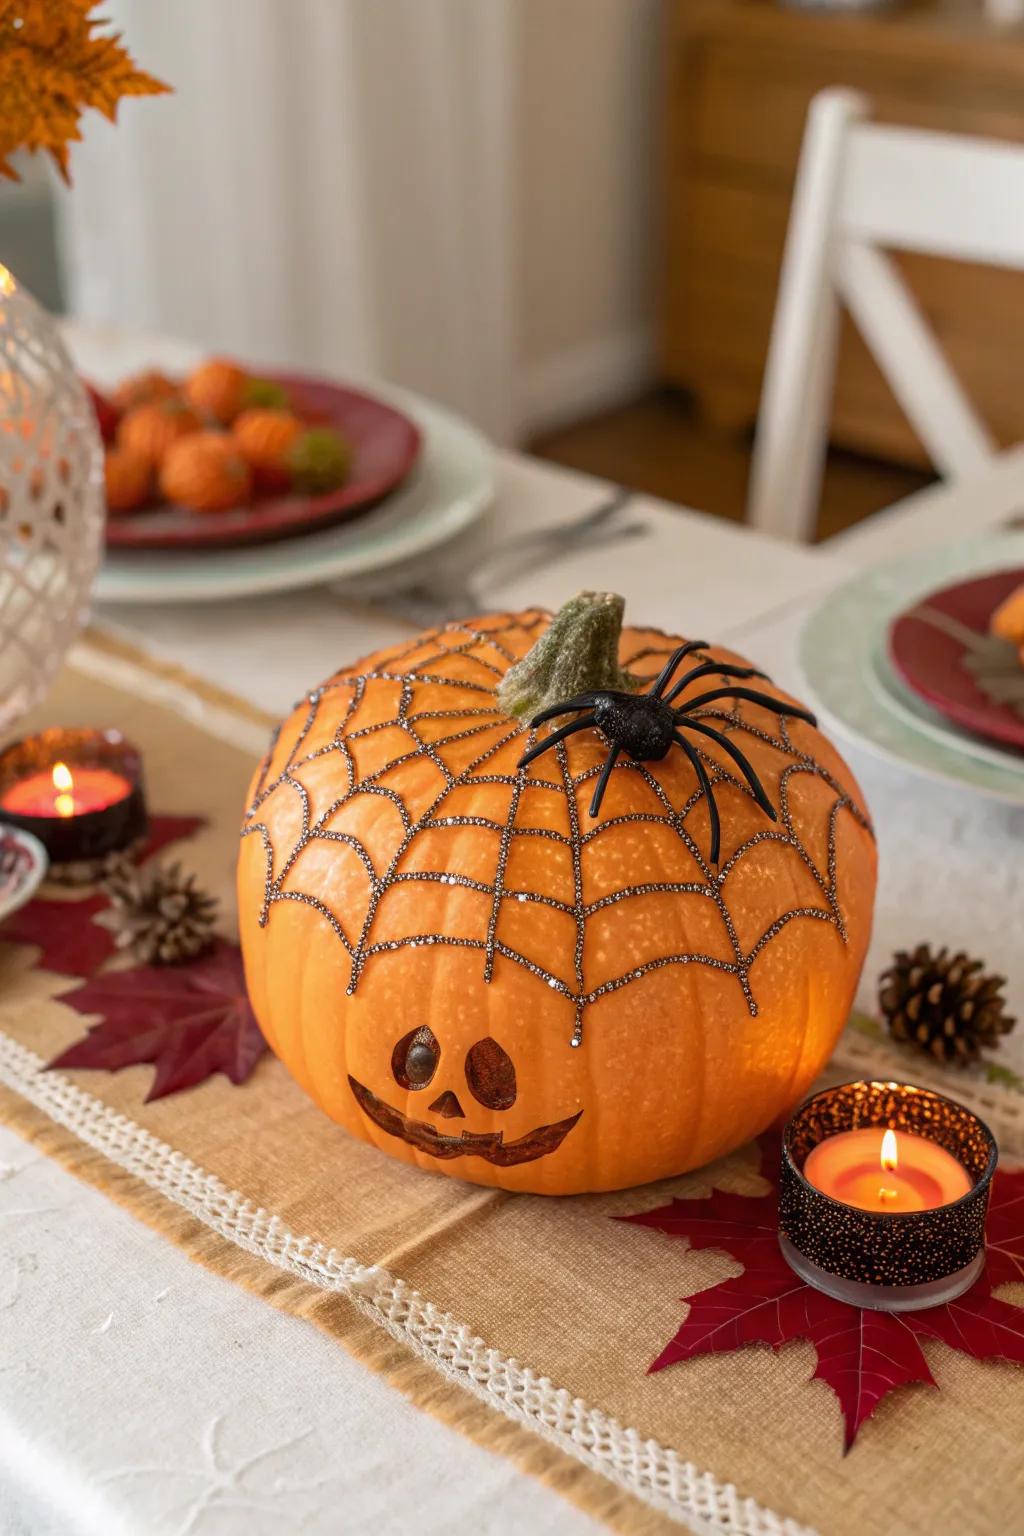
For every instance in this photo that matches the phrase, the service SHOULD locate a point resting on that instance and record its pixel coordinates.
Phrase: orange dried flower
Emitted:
(54, 65)
(129, 478)
(263, 438)
(206, 472)
(217, 389)
(149, 430)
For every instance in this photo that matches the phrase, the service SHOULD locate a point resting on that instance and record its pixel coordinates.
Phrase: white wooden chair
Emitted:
(862, 187)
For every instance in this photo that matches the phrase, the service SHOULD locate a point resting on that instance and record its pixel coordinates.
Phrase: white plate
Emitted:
(451, 486)
(30, 863)
(841, 640)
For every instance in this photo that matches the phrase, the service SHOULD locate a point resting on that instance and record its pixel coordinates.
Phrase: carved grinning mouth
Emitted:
(490, 1145)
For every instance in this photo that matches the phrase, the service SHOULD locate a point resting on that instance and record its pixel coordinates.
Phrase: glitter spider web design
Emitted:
(469, 745)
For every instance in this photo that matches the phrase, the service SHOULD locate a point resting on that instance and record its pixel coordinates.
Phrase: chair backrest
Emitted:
(861, 188)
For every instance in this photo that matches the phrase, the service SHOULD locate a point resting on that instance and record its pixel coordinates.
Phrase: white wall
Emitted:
(453, 194)
(586, 133)
(27, 237)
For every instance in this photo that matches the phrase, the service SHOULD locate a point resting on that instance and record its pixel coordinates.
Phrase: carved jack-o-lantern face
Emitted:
(489, 1075)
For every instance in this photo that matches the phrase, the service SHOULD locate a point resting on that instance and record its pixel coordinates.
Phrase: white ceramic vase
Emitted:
(51, 501)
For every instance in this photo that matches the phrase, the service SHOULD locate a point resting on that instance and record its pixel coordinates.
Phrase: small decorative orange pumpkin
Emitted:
(1007, 622)
(143, 389)
(264, 438)
(217, 388)
(129, 479)
(206, 472)
(571, 956)
(150, 430)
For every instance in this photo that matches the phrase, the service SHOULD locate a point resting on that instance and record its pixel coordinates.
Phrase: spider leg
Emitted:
(581, 701)
(741, 761)
(602, 783)
(555, 737)
(775, 705)
(661, 681)
(723, 668)
(709, 795)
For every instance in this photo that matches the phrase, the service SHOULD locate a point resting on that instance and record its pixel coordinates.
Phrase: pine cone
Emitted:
(944, 1004)
(159, 914)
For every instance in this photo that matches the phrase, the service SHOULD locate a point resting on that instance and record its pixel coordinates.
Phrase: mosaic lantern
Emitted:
(51, 501)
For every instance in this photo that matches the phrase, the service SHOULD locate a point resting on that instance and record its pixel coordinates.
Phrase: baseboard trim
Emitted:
(582, 380)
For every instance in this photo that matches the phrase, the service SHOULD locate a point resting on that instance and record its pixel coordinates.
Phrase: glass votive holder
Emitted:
(895, 1261)
(79, 791)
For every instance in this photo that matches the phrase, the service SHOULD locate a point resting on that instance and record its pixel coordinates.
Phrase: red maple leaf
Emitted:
(1004, 1230)
(70, 943)
(188, 1021)
(862, 1355)
(68, 940)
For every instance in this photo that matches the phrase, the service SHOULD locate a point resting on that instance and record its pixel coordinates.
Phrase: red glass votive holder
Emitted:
(78, 790)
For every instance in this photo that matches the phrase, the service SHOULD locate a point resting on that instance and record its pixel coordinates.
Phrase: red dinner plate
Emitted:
(930, 646)
(385, 447)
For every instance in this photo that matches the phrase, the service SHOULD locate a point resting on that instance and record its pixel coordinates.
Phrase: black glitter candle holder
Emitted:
(886, 1260)
(82, 840)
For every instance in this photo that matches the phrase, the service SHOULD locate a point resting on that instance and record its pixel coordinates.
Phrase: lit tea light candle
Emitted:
(61, 792)
(882, 1170)
(79, 791)
(883, 1193)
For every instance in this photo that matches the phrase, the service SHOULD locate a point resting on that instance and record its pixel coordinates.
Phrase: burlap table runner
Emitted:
(503, 1314)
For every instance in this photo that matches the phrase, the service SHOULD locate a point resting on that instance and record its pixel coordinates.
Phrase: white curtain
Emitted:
(330, 187)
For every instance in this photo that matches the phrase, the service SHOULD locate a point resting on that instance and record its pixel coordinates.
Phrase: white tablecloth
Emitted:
(140, 1394)
(690, 572)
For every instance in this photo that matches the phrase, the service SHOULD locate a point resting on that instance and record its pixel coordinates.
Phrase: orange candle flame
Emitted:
(63, 783)
(889, 1159)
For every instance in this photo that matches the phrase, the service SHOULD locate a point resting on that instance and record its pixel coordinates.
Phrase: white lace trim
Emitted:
(650, 1471)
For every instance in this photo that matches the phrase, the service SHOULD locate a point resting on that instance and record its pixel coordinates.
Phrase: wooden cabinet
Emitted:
(740, 76)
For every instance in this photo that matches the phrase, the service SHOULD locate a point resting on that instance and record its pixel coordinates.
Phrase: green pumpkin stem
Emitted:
(577, 653)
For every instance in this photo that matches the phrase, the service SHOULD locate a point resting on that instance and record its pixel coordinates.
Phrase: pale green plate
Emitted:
(451, 486)
(839, 650)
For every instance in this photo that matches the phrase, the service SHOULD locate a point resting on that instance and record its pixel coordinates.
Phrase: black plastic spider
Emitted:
(646, 726)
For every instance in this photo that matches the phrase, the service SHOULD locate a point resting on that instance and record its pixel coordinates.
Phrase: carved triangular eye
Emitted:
(491, 1075)
(415, 1057)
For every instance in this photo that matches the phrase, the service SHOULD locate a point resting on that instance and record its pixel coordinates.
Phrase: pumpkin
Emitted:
(264, 437)
(206, 472)
(150, 430)
(464, 967)
(147, 388)
(129, 479)
(217, 388)
(1007, 621)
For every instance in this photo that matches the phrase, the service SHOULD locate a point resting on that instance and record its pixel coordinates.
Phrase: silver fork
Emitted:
(453, 594)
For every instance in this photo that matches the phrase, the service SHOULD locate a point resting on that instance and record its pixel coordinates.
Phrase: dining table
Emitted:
(264, 1425)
